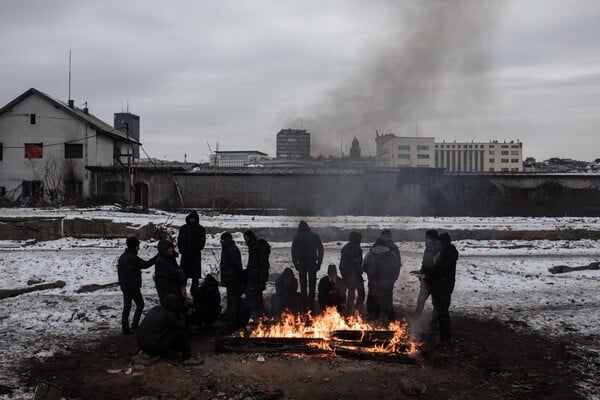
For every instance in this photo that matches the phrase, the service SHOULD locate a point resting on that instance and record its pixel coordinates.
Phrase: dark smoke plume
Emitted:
(436, 43)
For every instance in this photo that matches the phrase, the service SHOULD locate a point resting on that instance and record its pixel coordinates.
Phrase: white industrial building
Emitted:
(46, 145)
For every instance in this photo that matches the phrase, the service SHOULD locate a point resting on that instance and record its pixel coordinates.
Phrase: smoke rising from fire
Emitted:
(432, 46)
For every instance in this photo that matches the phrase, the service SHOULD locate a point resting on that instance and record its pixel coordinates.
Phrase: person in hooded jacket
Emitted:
(129, 268)
(430, 258)
(351, 269)
(441, 281)
(232, 279)
(206, 302)
(191, 241)
(332, 290)
(168, 276)
(307, 256)
(163, 330)
(256, 273)
(386, 237)
(286, 296)
(382, 267)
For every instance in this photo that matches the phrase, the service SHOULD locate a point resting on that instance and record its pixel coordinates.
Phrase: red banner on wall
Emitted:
(34, 150)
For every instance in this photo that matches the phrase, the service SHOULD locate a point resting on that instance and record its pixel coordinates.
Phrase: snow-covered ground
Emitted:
(508, 280)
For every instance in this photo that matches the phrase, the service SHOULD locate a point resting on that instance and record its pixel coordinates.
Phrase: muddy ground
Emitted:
(487, 360)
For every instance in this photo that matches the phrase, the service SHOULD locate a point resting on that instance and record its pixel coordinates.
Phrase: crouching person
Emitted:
(207, 302)
(332, 290)
(163, 331)
(286, 296)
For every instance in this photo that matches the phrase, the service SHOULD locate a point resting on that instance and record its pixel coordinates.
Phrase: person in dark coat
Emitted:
(191, 241)
(232, 279)
(430, 258)
(382, 268)
(256, 273)
(351, 269)
(286, 296)
(129, 269)
(307, 256)
(332, 290)
(441, 281)
(168, 276)
(206, 302)
(386, 236)
(163, 330)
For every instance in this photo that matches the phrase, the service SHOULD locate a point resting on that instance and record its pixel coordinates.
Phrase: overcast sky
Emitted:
(235, 72)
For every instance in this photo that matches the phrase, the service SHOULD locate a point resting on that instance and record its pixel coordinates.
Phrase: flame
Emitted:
(320, 327)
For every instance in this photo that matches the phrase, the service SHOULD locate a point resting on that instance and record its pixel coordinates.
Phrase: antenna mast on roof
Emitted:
(69, 76)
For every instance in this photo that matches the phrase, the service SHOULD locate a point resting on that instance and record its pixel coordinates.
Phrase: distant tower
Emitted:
(130, 125)
(355, 149)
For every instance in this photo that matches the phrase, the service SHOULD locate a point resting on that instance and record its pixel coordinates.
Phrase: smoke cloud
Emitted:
(432, 47)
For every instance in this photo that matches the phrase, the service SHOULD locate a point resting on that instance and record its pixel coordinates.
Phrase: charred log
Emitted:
(4, 293)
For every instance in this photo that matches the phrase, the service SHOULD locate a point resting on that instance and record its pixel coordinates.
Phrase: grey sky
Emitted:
(237, 72)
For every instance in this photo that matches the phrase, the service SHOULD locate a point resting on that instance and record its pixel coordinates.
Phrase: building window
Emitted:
(1, 151)
(470, 146)
(404, 148)
(404, 156)
(504, 146)
(34, 150)
(492, 169)
(73, 150)
(32, 119)
(505, 169)
(504, 161)
(491, 161)
(32, 189)
(514, 152)
(492, 153)
(515, 146)
(114, 187)
(504, 153)
(422, 147)
(515, 169)
(514, 160)
(492, 146)
(422, 156)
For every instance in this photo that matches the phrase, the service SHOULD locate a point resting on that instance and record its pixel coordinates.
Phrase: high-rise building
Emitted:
(355, 149)
(403, 151)
(293, 144)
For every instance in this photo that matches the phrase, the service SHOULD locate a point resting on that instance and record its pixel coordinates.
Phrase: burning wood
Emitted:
(329, 332)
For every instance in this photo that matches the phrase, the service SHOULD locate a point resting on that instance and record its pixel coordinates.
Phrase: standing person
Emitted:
(191, 241)
(163, 331)
(430, 258)
(129, 269)
(307, 256)
(441, 281)
(386, 236)
(351, 269)
(256, 273)
(332, 290)
(382, 268)
(231, 278)
(169, 278)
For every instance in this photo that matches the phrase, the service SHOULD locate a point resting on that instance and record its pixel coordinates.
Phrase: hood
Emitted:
(355, 238)
(288, 272)
(163, 245)
(210, 281)
(193, 215)
(445, 239)
(172, 303)
(303, 227)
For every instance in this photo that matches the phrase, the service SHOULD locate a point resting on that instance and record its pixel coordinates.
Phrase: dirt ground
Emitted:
(487, 360)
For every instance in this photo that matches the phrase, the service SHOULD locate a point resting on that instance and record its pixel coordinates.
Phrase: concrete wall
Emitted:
(409, 191)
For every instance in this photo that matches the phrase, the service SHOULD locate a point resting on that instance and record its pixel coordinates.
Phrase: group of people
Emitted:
(163, 327)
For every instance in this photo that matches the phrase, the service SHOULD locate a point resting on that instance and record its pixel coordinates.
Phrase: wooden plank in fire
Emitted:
(362, 354)
(239, 344)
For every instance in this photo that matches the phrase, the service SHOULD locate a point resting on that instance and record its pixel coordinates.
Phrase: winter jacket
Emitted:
(431, 256)
(444, 273)
(352, 259)
(207, 299)
(382, 267)
(156, 326)
(392, 246)
(130, 268)
(191, 241)
(307, 249)
(231, 265)
(332, 294)
(257, 270)
(286, 284)
(169, 278)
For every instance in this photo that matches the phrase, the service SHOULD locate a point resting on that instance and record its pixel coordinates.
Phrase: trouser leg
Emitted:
(424, 293)
(360, 288)
(139, 307)
(234, 306)
(303, 277)
(312, 285)
(441, 306)
(351, 296)
(126, 310)
(177, 341)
